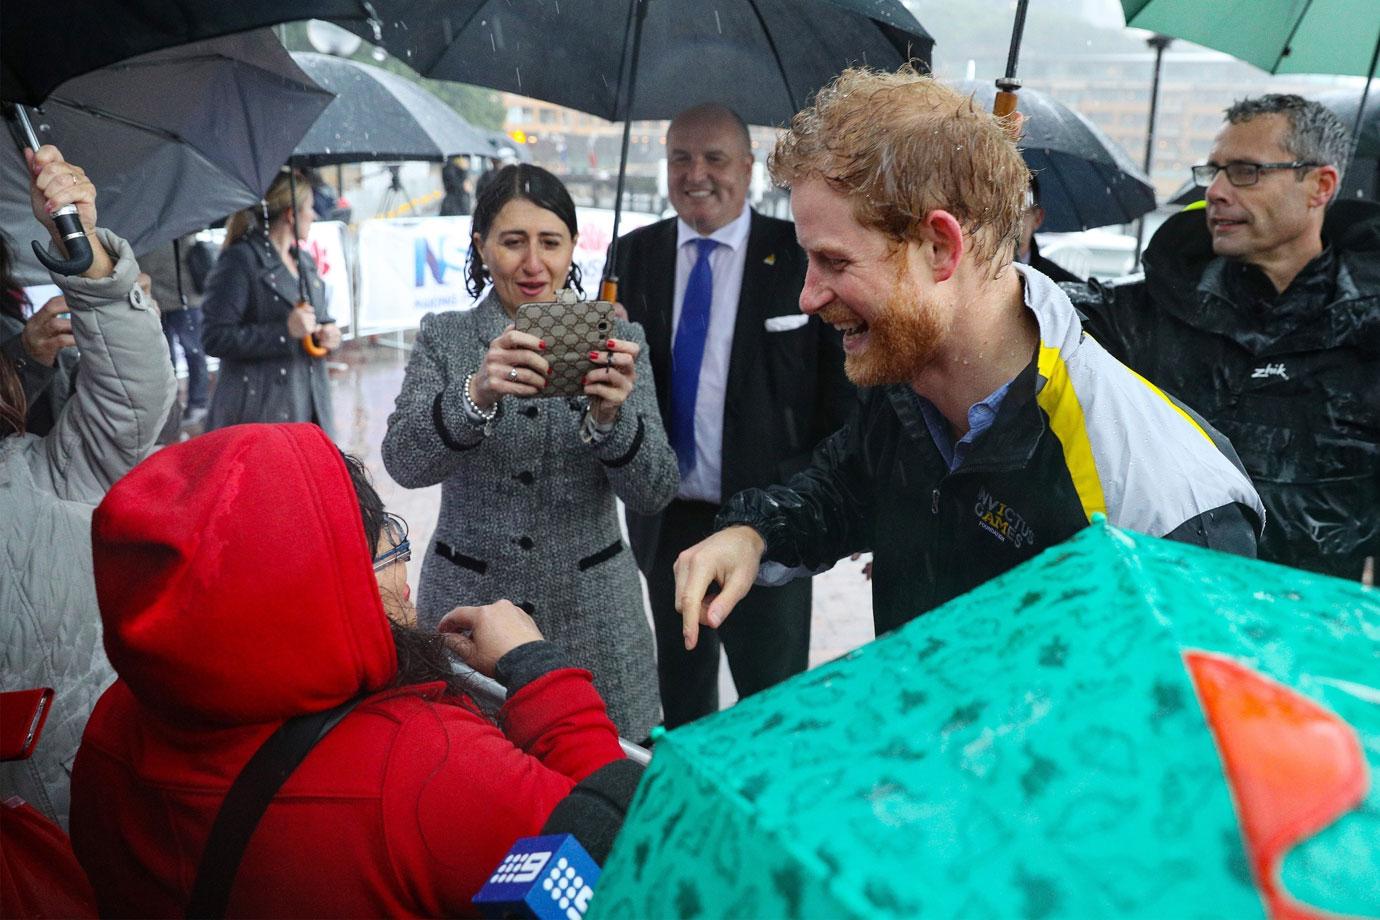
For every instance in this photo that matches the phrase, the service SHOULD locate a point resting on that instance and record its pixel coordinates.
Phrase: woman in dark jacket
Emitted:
(528, 484)
(254, 322)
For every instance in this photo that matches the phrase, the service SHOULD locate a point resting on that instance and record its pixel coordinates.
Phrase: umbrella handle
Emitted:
(65, 218)
(309, 344)
(73, 238)
(608, 289)
(1005, 105)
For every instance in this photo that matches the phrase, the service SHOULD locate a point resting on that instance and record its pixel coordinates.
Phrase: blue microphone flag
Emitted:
(545, 878)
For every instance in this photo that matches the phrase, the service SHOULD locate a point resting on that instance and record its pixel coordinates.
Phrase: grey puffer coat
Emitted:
(528, 512)
(264, 376)
(50, 625)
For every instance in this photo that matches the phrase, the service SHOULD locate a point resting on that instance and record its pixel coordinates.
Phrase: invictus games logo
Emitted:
(1001, 521)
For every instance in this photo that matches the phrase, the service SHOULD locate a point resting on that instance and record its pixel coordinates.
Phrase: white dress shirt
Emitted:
(726, 262)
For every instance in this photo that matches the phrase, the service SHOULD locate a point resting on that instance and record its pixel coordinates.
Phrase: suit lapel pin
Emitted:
(770, 260)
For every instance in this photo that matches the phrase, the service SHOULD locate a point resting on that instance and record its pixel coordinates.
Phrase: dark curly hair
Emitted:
(531, 183)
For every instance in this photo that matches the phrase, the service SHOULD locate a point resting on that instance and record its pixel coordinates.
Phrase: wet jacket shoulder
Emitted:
(402, 810)
(1077, 434)
(50, 634)
(1292, 379)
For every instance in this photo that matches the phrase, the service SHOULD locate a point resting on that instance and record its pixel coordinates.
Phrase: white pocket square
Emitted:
(786, 323)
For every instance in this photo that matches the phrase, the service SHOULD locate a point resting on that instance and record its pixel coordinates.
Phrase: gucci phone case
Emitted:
(571, 329)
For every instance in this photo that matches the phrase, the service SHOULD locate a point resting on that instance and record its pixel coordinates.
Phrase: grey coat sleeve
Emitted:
(428, 433)
(225, 333)
(125, 387)
(636, 456)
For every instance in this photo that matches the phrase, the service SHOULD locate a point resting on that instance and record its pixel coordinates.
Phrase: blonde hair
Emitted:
(903, 144)
(278, 199)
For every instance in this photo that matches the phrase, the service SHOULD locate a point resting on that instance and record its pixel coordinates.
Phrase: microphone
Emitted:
(552, 877)
(542, 878)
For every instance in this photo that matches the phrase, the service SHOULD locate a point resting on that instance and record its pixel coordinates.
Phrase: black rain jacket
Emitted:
(1291, 378)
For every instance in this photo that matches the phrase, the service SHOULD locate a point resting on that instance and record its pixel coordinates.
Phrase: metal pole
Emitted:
(609, 287)
(487, 690)
(1007, 85)
(1159, 43)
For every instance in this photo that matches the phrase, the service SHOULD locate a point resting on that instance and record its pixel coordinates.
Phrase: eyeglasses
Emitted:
(395, 530)
(1241, 174)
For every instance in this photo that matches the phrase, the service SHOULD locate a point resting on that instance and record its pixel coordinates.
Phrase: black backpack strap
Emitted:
(247, 801)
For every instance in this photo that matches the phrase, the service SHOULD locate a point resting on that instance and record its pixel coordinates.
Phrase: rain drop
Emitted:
(717, 24)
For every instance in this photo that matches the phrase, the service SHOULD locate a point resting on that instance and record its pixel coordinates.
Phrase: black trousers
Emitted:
(766, 637)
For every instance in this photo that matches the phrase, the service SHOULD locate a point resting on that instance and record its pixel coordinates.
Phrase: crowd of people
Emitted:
(895, 372)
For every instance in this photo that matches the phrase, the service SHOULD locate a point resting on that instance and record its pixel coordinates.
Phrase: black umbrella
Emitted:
(650, 59)
(45, 44)
(1086, 180)
(762, 58)
(173, 140)
(378, 115)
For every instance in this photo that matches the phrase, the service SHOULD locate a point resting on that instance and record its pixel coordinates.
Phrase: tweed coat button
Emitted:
(525, 542)
(525, 477)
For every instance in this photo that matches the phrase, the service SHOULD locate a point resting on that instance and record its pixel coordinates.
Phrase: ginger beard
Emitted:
(902, 336)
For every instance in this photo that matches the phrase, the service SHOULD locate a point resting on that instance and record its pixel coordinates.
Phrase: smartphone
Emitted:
(571, 329)
(22, 714)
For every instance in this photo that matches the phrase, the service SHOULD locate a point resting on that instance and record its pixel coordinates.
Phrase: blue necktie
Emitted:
(688, 353)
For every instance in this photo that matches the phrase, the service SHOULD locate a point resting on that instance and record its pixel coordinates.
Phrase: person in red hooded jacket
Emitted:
(238, 589)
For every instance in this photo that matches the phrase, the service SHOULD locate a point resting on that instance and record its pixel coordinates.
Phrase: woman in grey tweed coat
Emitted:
(528, 483)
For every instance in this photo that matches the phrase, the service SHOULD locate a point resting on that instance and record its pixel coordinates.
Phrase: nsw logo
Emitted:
(1002, 521)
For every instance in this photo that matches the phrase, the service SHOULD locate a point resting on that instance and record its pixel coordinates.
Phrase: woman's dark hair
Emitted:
(13, 301)
(370, 504)
(422, 656)
(528, 182)
(14, 408)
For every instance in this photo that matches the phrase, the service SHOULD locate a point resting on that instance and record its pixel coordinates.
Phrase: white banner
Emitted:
(409, 267)
(326, 243)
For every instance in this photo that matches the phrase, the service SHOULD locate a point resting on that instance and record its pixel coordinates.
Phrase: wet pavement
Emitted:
(365, 382)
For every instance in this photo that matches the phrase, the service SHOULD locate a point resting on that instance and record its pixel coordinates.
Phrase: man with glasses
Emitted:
(1265, 317)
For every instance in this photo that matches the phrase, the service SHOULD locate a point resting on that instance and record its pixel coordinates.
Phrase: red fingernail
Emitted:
(49, 206)
(582, 380)
(541, 346)
(610, 344)
(594, 356)
(550, 371)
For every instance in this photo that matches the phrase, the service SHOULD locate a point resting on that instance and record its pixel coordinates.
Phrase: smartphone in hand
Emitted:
(571, 329)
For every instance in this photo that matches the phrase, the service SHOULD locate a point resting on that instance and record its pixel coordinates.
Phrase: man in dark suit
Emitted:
(746, 383)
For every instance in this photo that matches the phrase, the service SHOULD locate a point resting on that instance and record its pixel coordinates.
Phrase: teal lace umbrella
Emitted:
(1037, 748)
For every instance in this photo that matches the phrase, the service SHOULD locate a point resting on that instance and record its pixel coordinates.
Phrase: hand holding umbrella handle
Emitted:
(73, 238)
(65, 219)
(309, 343)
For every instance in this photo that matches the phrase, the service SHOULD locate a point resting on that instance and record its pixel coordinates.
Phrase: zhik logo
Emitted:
(1270, 370)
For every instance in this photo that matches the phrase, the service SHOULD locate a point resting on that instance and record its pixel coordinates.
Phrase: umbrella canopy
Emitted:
(173, 140)
(1281, 36)
(46, 44)
(1035, 748)
(1086, 179)
(763, 58)
(377, 115)
(1345, 102)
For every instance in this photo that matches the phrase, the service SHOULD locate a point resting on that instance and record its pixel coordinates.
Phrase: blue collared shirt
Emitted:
(981, 415)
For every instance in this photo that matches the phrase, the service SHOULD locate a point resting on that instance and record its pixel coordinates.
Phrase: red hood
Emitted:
(234, 581)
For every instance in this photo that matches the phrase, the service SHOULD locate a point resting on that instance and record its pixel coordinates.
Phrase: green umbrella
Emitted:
(1034, 748)
(1281, 36)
